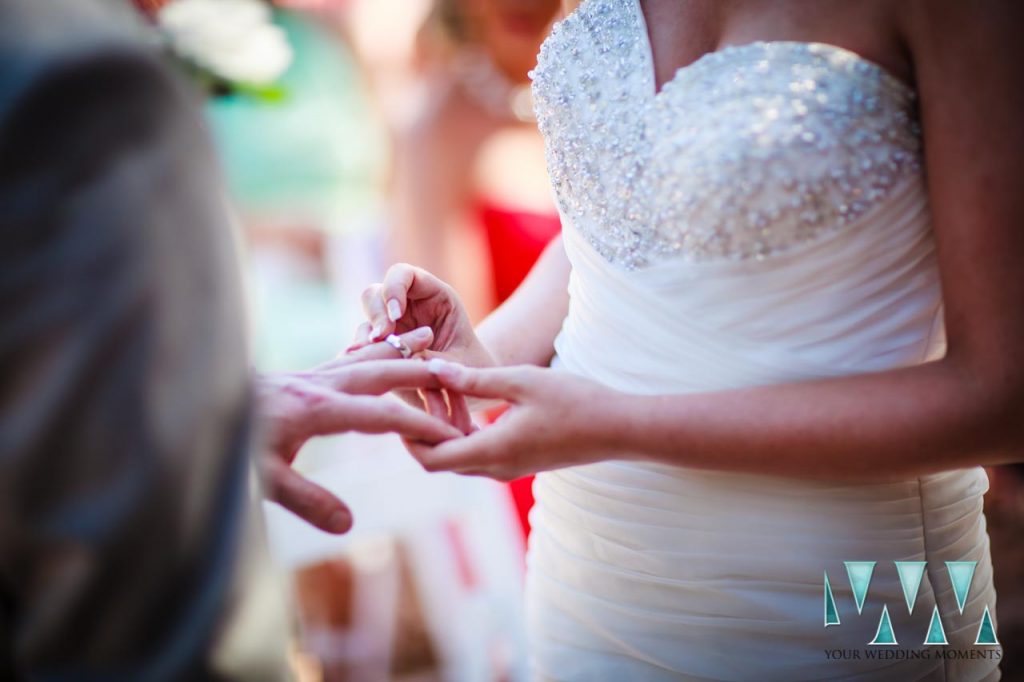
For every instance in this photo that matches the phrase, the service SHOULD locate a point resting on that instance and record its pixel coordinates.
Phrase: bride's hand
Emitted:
(409, 298)
(554, 420)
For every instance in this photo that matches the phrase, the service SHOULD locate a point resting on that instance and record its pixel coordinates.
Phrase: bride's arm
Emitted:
(522, 330)
(965, 409)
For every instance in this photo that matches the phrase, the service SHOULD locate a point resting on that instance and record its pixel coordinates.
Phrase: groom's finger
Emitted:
(306, 499)
(377, 377)
(418, 340)
(504, 383)
(338, 413)
(335, 372)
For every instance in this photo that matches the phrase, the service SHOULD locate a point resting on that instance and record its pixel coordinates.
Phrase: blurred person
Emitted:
(127, 548)
(471, 194)
(472, 201)
(303, 156)
(781, 333)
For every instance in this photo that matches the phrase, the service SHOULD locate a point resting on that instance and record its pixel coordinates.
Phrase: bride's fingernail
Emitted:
(394, 310)
(436, 365)
(377, 330)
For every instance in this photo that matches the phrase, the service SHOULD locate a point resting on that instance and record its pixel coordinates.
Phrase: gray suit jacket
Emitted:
(124, 391)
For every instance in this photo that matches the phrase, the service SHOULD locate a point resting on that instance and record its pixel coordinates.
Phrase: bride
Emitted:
(782, 332)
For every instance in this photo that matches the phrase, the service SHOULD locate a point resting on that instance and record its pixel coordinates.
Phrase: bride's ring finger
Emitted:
(395, 346)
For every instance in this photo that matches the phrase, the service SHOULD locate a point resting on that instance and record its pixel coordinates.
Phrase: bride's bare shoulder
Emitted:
(967, 58)
(951, 43)
(947, 21)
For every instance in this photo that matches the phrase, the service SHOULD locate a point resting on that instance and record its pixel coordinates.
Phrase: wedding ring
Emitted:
(398, 344)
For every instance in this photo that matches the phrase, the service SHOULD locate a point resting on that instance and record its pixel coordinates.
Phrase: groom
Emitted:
(127, 549)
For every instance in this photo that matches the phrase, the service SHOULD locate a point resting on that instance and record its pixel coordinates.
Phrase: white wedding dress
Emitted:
(762, 219)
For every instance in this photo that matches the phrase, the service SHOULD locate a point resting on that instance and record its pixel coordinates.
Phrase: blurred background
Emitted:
(355, 134)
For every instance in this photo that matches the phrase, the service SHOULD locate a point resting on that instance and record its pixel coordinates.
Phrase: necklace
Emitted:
(490, 88)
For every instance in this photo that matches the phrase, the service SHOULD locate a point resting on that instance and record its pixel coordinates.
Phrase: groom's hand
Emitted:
(336, 397)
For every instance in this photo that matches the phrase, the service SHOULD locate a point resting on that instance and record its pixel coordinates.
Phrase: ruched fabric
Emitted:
(644, 571)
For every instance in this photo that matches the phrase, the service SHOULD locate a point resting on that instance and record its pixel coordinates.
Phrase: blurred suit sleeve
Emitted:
(128, 549)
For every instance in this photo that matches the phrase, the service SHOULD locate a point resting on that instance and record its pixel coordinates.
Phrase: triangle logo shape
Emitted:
(961, 573)
(936, 633)
(986, 631)
(884, 636)
(859, 573)
(831, 613)
(911, 573)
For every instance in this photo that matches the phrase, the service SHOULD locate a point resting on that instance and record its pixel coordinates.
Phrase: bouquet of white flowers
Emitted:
(226, 45)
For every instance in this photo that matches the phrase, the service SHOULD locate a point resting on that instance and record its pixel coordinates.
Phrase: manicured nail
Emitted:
(394, 310)
(436, 365)
(376, 332)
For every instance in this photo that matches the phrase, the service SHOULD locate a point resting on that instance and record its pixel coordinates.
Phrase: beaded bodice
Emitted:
(747, 152)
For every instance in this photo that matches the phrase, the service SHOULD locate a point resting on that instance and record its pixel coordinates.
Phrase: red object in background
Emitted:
(516, 239)
(312, 4)
(522, 495)
(150, 7)
(463, 563)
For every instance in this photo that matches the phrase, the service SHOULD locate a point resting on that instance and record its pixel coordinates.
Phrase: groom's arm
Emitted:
(124, 399)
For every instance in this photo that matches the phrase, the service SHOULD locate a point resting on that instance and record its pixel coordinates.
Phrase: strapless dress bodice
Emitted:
(748, 151)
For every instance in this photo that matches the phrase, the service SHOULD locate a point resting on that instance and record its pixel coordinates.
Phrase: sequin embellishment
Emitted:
(747, 152)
